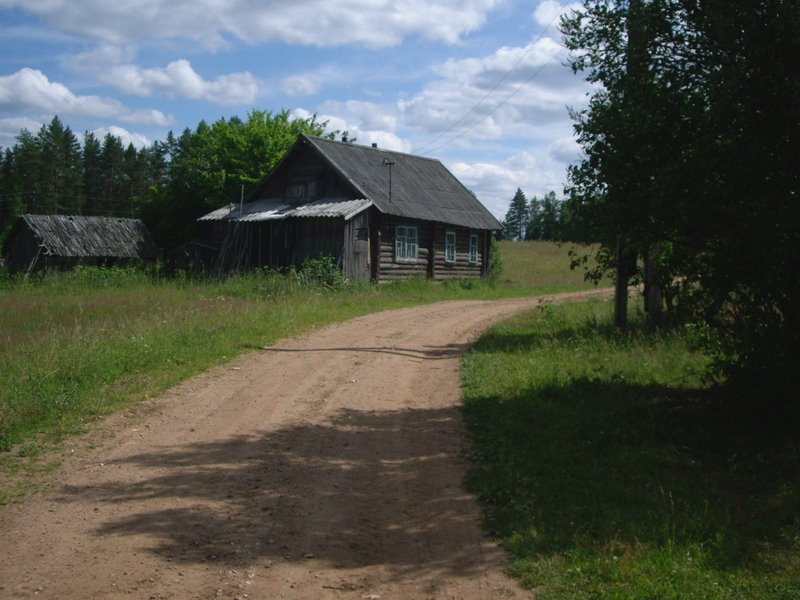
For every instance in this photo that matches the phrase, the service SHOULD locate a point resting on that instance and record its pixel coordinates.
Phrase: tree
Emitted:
(111, 177)
(214, 165)
(516, 217)
(691, 142)
(544, 222)
(93, 188)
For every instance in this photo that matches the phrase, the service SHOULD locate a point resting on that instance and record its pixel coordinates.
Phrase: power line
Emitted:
(496, 108)
(489, 93)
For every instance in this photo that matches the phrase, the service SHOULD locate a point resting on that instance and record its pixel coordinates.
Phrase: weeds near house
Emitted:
(608, 469)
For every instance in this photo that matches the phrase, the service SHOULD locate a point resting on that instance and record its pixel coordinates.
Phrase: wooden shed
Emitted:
(382, 215)
(62, 241)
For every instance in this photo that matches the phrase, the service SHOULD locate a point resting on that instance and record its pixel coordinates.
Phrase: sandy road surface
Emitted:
(326, 466)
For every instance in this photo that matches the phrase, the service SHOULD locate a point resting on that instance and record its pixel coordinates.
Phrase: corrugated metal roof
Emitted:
(422, 188)
(75, 236)
(275, 208)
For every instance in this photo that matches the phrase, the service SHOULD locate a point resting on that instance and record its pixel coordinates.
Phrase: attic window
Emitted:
(300, 190)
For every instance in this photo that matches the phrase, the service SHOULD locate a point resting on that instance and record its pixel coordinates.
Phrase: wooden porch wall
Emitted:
(315, 236)
(357, 262)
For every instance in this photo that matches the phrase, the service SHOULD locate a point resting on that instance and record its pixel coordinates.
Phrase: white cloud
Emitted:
(536, 171)
(102, 56)
(127, 137)
(514, 92)
(29, 90)
(300, 85)
(547, 12)
(10, 128)
(339, 119)
(311, 22)
(179, 79)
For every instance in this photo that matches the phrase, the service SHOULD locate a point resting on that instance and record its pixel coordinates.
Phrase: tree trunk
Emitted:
(621, 289)
(653, 293)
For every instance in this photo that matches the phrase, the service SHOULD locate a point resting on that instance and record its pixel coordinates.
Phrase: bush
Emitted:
(321, 270)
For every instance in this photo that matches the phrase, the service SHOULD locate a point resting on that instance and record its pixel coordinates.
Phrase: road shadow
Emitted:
(422, 353)
(363, 488)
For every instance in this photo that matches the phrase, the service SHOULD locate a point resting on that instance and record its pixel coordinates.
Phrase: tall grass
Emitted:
(608, 469)
(543, 266)
(85, 343)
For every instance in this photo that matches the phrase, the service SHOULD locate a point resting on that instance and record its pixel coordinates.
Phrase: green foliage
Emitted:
(495, 261)
(691, 144)
(516, 217)
(321, 270)
(168, 184)
(544, 218)
(608, 470)
(215, 165)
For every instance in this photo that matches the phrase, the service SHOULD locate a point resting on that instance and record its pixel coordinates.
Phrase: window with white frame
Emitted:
(473, 249)
(449, 246)
(405, 243)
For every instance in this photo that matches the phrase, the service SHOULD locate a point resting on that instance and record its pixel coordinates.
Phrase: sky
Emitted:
(479, 84)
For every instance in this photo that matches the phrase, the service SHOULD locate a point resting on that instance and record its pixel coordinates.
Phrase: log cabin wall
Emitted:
(461, 267)
(431, 252)
(390, 269)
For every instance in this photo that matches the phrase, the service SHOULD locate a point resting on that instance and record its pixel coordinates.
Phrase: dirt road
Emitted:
(326, 466)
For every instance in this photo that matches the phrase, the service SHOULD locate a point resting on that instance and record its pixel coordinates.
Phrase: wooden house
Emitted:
(382, 215)
(62, 241)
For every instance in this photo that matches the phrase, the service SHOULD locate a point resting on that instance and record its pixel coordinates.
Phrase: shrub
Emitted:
(322, 270)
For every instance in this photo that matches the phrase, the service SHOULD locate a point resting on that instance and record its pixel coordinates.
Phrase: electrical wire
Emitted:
(496, 108)
(489, 93)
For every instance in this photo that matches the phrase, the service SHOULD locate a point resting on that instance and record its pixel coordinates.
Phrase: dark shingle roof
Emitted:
(422, 188)
(80, 237)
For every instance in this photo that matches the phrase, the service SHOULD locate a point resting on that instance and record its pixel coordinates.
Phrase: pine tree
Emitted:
(516, 218)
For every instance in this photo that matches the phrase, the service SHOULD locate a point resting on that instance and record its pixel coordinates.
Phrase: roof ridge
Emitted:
(377, 149)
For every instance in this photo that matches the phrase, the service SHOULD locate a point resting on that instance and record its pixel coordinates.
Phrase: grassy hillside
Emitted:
(539, 265)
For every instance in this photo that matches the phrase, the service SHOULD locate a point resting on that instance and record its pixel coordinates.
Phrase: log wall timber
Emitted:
(461, 267)
(430, 259)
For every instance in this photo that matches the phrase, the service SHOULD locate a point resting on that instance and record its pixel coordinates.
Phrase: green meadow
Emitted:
(609, 467)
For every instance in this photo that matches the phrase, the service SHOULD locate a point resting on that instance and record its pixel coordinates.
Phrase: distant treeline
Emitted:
(545, 218)
(167, 184)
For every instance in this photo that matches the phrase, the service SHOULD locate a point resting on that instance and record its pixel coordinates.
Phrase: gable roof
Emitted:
(422, 188)
(82, 237)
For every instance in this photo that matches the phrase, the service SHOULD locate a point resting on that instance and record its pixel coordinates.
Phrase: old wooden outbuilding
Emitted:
(382, 215)
(62, 241)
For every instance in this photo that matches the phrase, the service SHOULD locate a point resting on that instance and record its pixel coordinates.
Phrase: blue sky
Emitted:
(479, 84)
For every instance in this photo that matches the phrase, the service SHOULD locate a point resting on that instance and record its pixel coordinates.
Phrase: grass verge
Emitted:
(608, 469)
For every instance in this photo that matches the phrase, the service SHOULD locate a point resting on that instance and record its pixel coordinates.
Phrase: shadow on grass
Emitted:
(594, 465)
(364, 488)
(510, 338)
